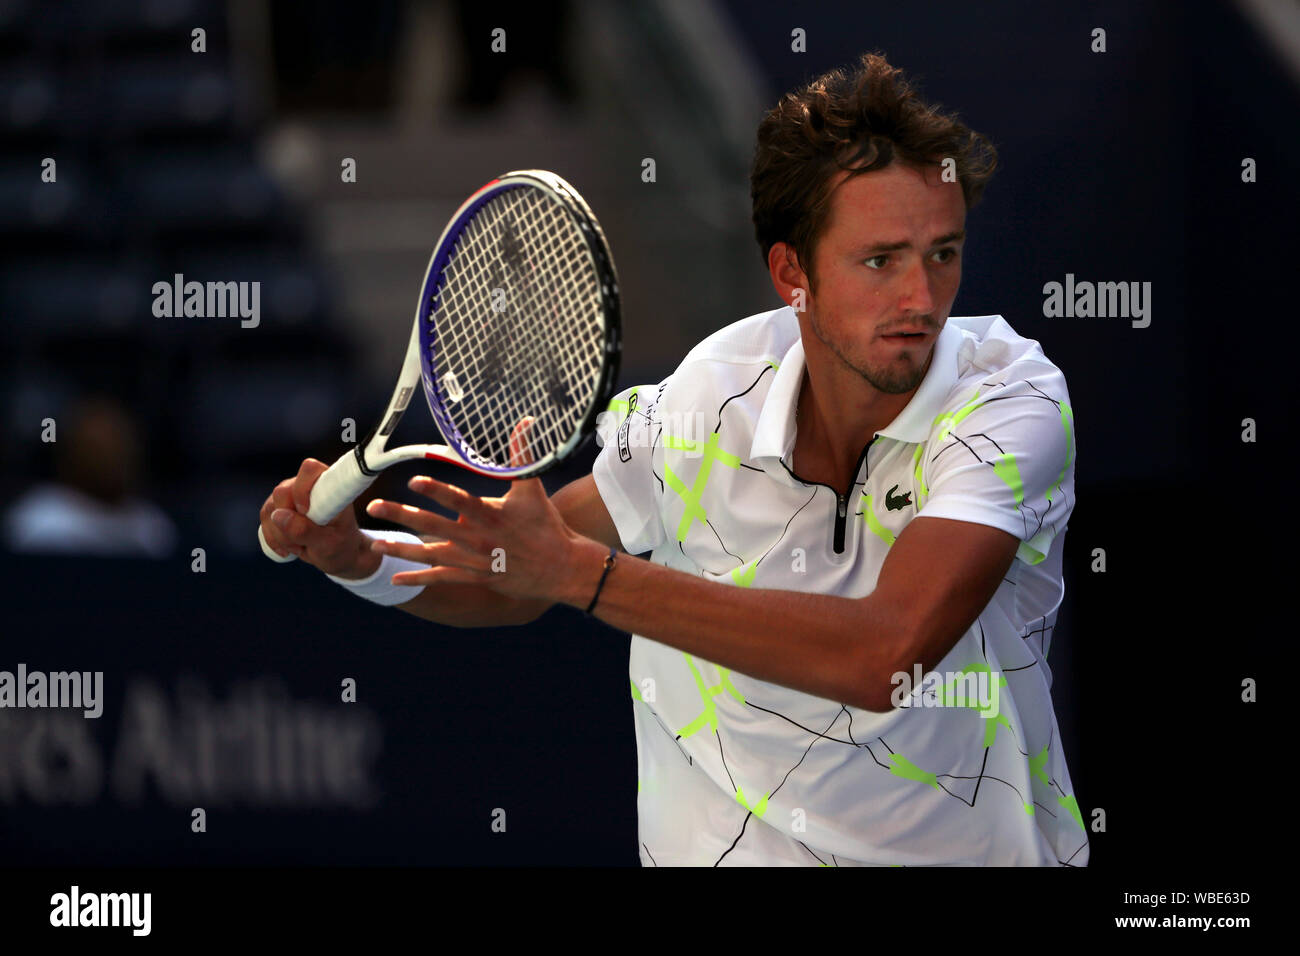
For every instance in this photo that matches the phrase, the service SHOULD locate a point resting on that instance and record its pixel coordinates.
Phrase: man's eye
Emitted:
(948, 254)
(880, 259)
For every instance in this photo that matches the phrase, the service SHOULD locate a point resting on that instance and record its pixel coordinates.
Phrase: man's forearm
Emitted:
(472, 605)
(842, 649)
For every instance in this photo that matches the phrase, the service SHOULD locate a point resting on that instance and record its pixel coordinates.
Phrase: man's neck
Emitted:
(833, 423)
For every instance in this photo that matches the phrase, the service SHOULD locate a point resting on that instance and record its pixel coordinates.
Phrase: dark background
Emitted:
(1122, 166)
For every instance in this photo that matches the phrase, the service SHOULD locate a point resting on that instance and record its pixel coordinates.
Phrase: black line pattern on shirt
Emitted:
(724, 761)
(718, 430)
(680, 749)
(1040, 519)
(1044, 633)
(1012, 670)
(1066, 861)
(833, 722)
(744, 824)
(766, 369)
(983, 764)
(825, 735)
(703, 570)
(815, 856)
(724, 547)
(653, 444)
(783, 531)
(991, 442)
(809, 730)
(736, 789)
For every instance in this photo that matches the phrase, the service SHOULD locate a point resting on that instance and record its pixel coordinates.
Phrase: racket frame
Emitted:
(356, 470)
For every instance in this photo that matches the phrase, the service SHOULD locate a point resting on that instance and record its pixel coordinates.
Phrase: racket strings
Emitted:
(517, 328)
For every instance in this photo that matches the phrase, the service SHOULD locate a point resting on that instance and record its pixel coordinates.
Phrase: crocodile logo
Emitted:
(896, 502)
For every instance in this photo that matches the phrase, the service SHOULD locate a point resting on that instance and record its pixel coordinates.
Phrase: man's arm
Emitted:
(936, 580)
(474, 605)
(938, 577)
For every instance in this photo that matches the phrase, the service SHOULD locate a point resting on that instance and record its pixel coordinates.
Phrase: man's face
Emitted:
(888, 261)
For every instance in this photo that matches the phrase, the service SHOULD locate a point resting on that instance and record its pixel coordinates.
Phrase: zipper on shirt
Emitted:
(841, 519)
(841, 501)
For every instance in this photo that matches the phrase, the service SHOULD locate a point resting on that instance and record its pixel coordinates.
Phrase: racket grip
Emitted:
(266, 550)
(341, 484)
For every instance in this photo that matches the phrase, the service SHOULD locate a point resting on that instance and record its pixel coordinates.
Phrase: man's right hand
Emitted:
(338, 548)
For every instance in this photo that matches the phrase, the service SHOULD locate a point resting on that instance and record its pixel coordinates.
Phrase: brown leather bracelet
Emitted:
(609, 563)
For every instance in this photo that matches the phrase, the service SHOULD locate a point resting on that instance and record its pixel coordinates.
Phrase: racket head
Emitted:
(519, 317)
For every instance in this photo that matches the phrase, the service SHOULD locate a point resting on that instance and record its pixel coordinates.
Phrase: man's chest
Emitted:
(761, 524)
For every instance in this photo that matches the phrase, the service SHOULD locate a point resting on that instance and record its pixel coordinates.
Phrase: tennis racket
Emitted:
(516, 339)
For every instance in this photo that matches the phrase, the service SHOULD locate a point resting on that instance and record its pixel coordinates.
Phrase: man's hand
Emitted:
(518, 545)
(338, 548)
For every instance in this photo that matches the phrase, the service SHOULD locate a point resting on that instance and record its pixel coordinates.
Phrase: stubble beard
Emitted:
(899, 377)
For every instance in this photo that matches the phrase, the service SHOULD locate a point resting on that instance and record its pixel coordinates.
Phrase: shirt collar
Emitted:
(774, 432)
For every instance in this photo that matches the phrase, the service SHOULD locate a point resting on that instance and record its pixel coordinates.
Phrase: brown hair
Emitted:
(859, 122)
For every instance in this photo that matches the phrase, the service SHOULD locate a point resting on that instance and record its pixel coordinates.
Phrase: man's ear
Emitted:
(788, 278)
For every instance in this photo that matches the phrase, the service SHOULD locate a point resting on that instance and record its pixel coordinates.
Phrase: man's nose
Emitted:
(915, 292)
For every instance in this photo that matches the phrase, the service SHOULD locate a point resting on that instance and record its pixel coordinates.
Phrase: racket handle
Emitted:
(340, 485)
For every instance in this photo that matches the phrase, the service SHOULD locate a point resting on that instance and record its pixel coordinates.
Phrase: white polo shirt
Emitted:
(738, 771)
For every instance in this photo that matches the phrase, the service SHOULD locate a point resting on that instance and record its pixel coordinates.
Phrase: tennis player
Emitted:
(840, 635)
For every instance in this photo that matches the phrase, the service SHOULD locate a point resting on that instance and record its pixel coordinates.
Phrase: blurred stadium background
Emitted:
(223, 686)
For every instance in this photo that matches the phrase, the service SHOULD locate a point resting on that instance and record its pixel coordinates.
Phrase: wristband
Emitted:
(379, 586)
(609, 563)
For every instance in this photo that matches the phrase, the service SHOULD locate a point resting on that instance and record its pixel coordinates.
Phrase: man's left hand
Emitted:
(517, 545)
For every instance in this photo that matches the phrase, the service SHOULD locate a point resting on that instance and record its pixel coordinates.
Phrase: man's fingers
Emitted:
(291, 496)
(403, 549)
(449, 554)
(295, 529)
(308, 473)
(441, 575)
(281, 497)
(274, 536)
(445, 554)
(449, 496)
(520, 453)
(529, 488)
(417, 519)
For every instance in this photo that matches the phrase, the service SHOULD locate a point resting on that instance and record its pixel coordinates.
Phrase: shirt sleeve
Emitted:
(625, 471)
(1005, 458)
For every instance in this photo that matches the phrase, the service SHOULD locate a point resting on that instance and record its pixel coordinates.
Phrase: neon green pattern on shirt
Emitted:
(902, 767)
(710, 714)
(694, 511)
(878, 529)
(623, 405)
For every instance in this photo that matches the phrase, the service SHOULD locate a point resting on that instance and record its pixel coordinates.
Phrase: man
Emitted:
(866, 531)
